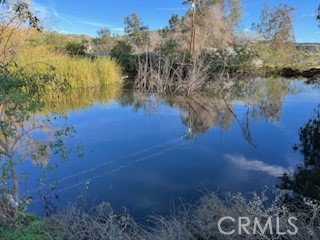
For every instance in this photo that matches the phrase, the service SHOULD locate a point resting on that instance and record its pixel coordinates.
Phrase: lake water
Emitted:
(146, 152)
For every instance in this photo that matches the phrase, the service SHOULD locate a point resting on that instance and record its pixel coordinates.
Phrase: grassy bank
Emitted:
(78, 71)
(294, 58)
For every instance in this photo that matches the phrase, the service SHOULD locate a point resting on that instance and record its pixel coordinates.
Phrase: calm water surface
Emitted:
(145, 152)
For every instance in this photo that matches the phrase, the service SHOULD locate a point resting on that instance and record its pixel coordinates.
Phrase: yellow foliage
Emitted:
(78, 71)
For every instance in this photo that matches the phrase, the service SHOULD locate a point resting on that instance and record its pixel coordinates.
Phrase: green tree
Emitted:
(137, 32)
(21, 98)
(123, 53)
(174, 21)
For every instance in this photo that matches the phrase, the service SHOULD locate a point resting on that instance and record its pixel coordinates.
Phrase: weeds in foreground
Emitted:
(194, 222)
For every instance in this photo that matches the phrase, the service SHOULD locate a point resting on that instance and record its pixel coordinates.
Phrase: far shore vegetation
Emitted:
(172, 59)
(37, 65)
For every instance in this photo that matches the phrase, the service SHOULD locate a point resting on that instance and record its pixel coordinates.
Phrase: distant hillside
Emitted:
(308, 47)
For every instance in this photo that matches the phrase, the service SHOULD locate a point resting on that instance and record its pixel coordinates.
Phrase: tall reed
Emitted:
(78, 71)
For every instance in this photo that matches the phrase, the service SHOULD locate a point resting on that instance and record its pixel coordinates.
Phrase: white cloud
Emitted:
(256, 165)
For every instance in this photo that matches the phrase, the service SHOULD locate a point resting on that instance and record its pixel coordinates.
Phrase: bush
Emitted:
(27, 231)
(170, 50)
(122, 52)
(237, 58)
(76, 48)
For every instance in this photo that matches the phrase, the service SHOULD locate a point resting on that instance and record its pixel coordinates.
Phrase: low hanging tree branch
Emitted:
(21, 8)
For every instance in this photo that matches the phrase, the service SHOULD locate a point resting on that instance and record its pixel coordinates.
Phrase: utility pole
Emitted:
(193, 28)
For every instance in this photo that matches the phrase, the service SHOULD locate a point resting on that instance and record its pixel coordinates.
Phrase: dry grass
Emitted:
(194, 222)
(99, 224)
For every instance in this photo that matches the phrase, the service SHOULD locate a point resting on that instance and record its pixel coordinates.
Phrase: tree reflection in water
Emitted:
(201, 112)
(305, 182)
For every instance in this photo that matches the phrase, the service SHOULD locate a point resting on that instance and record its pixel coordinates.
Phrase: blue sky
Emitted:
(86, 17)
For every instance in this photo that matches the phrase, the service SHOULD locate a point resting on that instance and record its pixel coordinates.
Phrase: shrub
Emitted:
(30, 230)
(76, 48)
(122, 52)
(237, 58)
(170, 50)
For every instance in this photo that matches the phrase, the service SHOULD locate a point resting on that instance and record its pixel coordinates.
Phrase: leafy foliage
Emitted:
(22, 10)
(136, 31)
(76, 48)
(170, 50)
(21, 97)
(234, 59)
(122, 52)
(29, 231)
